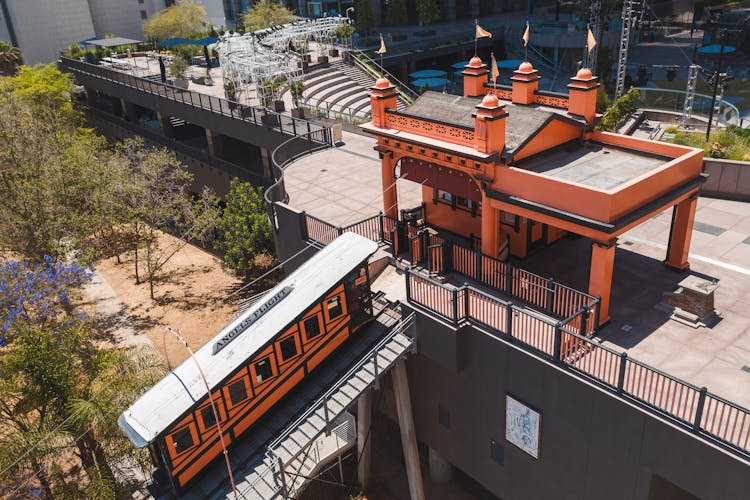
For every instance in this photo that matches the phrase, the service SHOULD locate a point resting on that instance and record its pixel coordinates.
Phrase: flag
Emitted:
(525, 36)
(590, 41)
(495, 70)
(481, 33)
(381, 50)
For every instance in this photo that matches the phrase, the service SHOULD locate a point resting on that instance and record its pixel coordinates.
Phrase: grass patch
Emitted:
(731, 143)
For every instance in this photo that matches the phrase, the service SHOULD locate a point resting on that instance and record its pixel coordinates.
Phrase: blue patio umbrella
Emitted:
(509, 64)
(171, 42)
(209, 40)
(715, 49)
(430, 82)
(428, 73)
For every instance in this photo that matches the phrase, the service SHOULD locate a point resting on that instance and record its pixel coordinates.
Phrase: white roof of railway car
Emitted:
(178, 391)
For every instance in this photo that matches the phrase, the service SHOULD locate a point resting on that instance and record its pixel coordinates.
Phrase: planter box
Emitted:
(270, 120)
(298, 112)
(322, 59)
(278, 106)
(333, 52)
(180, 83)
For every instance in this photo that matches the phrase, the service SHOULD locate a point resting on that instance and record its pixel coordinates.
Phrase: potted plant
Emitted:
(230, 92)
(178, 69)
(208, 80)
(296, 88)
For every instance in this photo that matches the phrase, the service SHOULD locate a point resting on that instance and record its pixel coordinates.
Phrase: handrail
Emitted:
(271, 457)
(659, 392)
(402, 325)
(277, 192)
(403, 90)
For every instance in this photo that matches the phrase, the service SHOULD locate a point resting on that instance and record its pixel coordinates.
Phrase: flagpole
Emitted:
(476, 23)
(586, 54)
(526, 44)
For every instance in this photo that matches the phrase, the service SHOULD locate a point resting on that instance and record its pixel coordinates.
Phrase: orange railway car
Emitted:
(254, 361)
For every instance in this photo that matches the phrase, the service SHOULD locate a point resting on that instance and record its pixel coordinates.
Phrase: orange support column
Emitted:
(600, 275)
(682, 230)
(390, 195)
(490, 227)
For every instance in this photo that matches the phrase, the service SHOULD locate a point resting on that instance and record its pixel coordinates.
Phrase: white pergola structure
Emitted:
(321, 31)
(244, 61)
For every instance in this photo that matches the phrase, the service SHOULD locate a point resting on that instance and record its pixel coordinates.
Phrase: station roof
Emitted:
(524, 122)
(592, 164)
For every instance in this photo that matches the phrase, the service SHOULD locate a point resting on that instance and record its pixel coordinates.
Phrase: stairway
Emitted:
(341, 90)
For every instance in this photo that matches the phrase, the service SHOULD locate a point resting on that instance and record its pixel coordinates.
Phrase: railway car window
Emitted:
(288, 348)
(312, 327)
(263, 370)
(237, 393)
(334, 307)
(182, 440)
(207, 414)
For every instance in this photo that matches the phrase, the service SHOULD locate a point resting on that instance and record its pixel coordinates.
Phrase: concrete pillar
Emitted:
(490, 227)
(440, 469)
(474, 8)
(683, 217)
(215, 142)
(449, 10)
(364, 438)
(165, 124)
(600, 275)
(266, 160)
(90, 95)
(390, 194)
(128, 109)
(408, 434)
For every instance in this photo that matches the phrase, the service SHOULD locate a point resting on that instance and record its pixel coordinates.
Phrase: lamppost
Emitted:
(347, 12)
(179, 336)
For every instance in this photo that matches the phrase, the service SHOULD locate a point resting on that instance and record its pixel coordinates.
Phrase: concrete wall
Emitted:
(727, 179)
(593, 444)
(43, 27)
(122, 17)
(290, 238)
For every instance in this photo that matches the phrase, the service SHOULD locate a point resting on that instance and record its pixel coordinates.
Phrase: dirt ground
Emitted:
(190, 297)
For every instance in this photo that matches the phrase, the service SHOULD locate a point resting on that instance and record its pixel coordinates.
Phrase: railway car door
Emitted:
(359, 302)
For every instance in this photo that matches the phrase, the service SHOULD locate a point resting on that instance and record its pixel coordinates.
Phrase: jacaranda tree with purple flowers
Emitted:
(37, 294)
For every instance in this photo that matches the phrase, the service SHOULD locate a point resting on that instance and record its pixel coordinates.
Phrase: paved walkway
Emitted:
(112, 313)
(342, 185)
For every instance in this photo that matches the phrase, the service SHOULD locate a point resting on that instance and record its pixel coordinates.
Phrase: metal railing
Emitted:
(579, 310)
(248, 114)
(274, 462)
(674, 100)
(325, 109)
(286, 153)
(374, 68)
(694, 408)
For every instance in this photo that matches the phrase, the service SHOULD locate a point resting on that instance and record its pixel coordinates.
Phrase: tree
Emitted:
(428, 11)
(182, 20)
(61, 392)
(365, 21)
(10, 59)
(244, 232)
(267, 13)
(396, 15)
(54, 178)
(154, 198)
